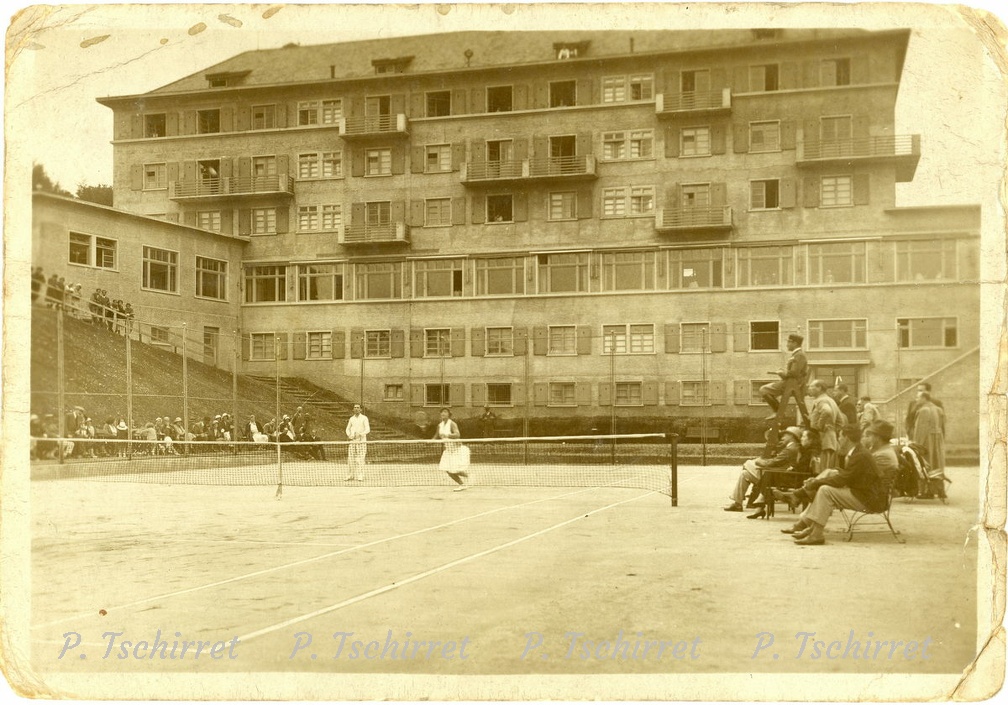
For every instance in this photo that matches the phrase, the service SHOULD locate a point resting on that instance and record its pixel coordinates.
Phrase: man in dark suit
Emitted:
(843, 399)
(793, 379)
(915, 403)
(857, 485)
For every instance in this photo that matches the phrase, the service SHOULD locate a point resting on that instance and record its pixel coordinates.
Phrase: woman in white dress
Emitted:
(455, 457)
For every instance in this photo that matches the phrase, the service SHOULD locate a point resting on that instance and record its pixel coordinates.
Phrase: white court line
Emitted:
(432, 571)
(305, 561)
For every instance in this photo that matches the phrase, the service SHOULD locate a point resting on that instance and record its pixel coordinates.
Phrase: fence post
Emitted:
(60, 381)
(129, 398)
(279, 492)
(185, 390)
(673, 468)
(234, 378)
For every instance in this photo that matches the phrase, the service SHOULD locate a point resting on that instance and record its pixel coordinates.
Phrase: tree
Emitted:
(42, 182)
(101, 194)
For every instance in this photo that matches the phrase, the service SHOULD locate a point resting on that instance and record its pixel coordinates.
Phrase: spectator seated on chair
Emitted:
(774, 480)
(875, 437)
(785, 455)
(857, 485)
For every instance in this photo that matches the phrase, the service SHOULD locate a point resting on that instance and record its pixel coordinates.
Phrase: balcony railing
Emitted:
(693, 218)
(562, 166)
(903, 150)
(500, 170)
(376, 234)
(232, 186)
(373, 125)
(575, 167)
(693, 102)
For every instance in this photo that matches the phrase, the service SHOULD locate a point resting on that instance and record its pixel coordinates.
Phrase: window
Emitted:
(694, 394)
(308, 165)
(641, 87)
(318, 345)
(105, 253)
(764, 335)
(694, 337)
(695, 195)
(378, 343)
(500, 341)
(262, 346)
(628, 271)
(211, 278)
(837, 334)
(500, 276)
(437, 342)
(379, 280)
(394, 392)
(562, 340)
(613, 89)
(308, 112)
(377, 213)
(562, 94)
(928, 333)
(155, 176)
(80, 248)
(320, 282)
(264, 221)
(629, 394)
(764, 195)
(764, 266)
(438, 158)
(561, 394)
(834, 72)
(628, 201)
(498, 394)
(924, 260)
(263, 117)
(563, 272)
(332, 165)
(641, 200)
(377, 162)
(437, 395)
(439, 277)
(630, 144)
(332, 217)
(764, 136)
(154, 125)
(264, 166)
(637, 339)
(617, 89)
(160, 270)
(265, 283)
(755, 396)
(308, 218)
(563, 205)
(437, 212)
(160, 337)
(438, 103)
(332, 111)
(500, 208)
(835, 128)
(695, 269)
(835, 191)
(327, 165)
(839, 263)
(694, 142)
(695, 81)
(763, 78)
(499, 99)
(207, 121)
(209, 220)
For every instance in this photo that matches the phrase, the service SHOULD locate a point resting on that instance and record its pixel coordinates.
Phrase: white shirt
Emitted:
(358, 428)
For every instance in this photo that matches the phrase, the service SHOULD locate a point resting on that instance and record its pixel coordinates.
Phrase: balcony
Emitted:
(372, 126)
(390, 233)
(575, 168)
(693, 103)
(694, 219)
(230, 186)
(903, 151)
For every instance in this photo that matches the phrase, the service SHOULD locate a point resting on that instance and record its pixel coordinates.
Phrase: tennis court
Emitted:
(510, 574)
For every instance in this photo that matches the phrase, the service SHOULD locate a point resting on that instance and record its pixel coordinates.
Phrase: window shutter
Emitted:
(718, 138)
(458, 153)
(356, 343)
(281, 115)
(520, 145)
(398, 159)
(418, 105)
(540, 393)
(584, 202)
(740, 79)
(718, 337)
(672, 196)
(357, 214)
(740, 138)
(356, 161)
(281, 341)
(188, 122)
(300, 346)
(397, 343)
(810, 189)
(582, 393)
(861, 189)
(477, 208)
(418, 160)
(338, 344)
(246, 344)
(671, 337)
(416, 342)
(671, 141)
(416, 213)
(283, 219)
(810, 130)
(520, 334)
(788, 75)
(584, 91)
(136, 177)
(243, 118)
(787, 134)
(478, 337)
(649, 393)
(717, 392)
(171, 123)
(810, 74)
(741, 393)
(540, 95)
(518, 395)
(227, 119)
(787, 193)
(416, 395)
(456, 394)
(458, 339)
(189, 218)
(520, 99)
(740, 336)
(476, 390)
(672, 394)
(584, 144)
(227, 221)
(458, 101)
(861, 127)
(584, 340)
(540, 340)
(718, 194)
(540, 147)
(172, 171)
(477, 100)
(458, 210)
(860, 70)
(397, 103)
(605, 394)
(520, 213)
(398, 212)
(244, 221)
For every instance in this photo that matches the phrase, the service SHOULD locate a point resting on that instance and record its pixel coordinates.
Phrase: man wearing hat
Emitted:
(792, 380)
(785, 457)
(875, 438)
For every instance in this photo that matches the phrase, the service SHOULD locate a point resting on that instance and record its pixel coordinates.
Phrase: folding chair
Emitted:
(855, 517)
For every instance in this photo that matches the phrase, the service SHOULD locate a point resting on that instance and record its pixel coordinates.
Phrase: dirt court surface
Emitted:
(520, 579)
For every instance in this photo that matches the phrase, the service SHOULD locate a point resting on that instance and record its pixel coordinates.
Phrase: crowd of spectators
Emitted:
(56, 293)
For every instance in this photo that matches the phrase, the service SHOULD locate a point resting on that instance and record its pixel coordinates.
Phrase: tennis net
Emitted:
(643, 461)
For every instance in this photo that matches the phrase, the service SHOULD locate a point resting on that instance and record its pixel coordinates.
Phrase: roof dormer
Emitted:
(569, 50)
(396, 65)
